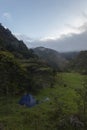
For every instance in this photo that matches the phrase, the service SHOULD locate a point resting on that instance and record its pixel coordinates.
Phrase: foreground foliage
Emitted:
(17, 76)
(54, 114)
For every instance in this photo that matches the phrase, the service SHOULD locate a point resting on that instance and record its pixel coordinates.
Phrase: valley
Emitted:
(57, 81)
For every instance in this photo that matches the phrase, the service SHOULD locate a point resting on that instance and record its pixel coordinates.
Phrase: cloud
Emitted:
(28, 41)
(73, 42)
(7, 15)
(67, 42)
(76, 26)
(23, 37)
(84, 15)
(73, 38)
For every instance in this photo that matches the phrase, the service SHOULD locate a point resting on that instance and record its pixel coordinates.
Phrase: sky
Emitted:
(57, 24)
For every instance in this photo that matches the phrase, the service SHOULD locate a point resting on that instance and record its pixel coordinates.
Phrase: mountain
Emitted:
(10, 43)
(51, 57)
(70, 55)
(79, 63)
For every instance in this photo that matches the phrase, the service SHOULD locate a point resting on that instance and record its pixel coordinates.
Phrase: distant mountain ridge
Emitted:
(51, 57)
(70, 55)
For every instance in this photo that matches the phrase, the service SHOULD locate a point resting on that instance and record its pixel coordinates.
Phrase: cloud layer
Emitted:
(69, 42)
(75, 40)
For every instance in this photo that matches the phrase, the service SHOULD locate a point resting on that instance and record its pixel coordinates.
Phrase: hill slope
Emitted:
(51, 57)
(69, 55)
(9, 42)
(79, 63)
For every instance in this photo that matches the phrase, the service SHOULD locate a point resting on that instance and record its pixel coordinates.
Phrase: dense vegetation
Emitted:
(12, 74)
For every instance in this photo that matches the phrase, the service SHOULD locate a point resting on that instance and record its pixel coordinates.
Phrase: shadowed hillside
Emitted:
(69, 55)
(9, 42)
(51, 57)
(79, 63)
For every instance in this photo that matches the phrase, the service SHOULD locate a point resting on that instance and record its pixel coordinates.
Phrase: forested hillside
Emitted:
(51, 57)
(79, 63)
(20, 69)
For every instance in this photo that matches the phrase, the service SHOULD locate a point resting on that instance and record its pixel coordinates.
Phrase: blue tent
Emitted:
(27, 100)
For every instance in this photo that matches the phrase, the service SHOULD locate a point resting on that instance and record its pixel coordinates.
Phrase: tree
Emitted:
(13, 77)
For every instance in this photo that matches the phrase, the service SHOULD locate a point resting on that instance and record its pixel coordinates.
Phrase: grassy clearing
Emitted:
(15, 117)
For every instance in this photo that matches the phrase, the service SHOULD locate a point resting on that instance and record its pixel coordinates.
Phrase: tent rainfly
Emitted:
(27, 100)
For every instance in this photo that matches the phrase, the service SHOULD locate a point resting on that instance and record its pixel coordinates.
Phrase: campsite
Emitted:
(27, 100)
(63, 100)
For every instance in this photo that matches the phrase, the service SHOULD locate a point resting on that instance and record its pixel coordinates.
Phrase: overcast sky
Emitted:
(57, 24)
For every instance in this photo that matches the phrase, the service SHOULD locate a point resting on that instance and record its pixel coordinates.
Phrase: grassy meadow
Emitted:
(63, 102)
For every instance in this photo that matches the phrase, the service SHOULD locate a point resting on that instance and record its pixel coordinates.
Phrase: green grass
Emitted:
(16, 117)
